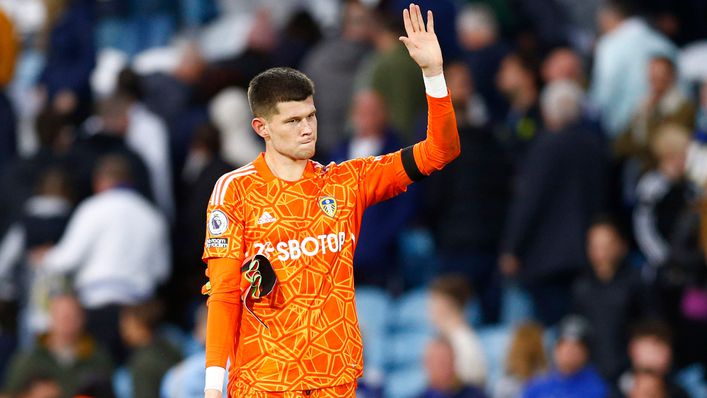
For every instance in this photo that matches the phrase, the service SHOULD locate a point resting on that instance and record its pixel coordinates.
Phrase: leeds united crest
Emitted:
(328, 205)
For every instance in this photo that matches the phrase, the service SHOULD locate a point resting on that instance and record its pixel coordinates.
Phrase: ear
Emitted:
(260, 127)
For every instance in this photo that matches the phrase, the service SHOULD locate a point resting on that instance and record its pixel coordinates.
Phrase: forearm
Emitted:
(442, 143)
(223, 321)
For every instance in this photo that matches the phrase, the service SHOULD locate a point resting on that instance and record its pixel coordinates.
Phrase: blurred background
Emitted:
(563, 254)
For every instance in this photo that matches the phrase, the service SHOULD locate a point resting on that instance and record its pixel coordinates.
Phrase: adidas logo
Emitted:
(266, 218)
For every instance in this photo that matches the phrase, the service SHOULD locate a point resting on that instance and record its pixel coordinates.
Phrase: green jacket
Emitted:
(91, 363)
(148, 364)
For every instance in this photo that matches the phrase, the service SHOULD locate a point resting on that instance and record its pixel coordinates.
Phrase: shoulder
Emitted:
(228, 182)
(652, 185)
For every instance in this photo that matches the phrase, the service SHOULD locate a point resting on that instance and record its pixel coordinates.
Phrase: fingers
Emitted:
(414, 19)
(430, 22)
(420, 21)
(407, 22)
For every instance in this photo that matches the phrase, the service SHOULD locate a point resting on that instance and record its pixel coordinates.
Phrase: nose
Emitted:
(307, 127)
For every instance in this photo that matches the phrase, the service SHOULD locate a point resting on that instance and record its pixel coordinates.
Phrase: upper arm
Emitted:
(224, 222)
(380, 177)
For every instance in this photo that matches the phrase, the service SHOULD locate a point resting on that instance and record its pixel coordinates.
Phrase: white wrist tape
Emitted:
(214, 378)
(435, 86)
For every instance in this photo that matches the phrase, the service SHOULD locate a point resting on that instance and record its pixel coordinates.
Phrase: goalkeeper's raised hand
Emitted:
(421, 40)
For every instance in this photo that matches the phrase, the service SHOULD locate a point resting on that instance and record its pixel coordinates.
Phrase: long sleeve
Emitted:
(76, 241)
(442, 143)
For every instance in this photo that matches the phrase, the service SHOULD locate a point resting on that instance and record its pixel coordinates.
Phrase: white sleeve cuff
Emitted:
(214, 378)
(435, 86)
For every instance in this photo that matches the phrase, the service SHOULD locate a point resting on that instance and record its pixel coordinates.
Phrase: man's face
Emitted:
(439, 364)
(570, 356)
(651, 354)
(605, 249)
(292, 130)
(66, 317)
(660, 76)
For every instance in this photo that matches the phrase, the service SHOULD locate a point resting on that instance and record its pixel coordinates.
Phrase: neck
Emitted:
(61, 343)
(285, 168)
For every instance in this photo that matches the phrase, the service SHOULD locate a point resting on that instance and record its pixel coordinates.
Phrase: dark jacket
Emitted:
(610, 306)
(147, 365)
(560, 188)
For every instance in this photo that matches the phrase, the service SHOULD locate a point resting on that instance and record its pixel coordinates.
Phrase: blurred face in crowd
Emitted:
(291, 132)
(647, 385)
(443, 310)
(649, 353)
(458, 77)
(563, 64)
(43, 389)
(660, 76)
(570, 356)
(368, 114)
(605, 250)
(356, 22)
(512, 78)
(66, 318)
(439, 364)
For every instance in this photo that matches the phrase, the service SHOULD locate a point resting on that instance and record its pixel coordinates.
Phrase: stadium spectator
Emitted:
(648, 385)
(518, 81)
(442, 378)
(392, 74)
(650, 350)
(449, 296)
(525, 360)
(483, 50)
(332, 65)
(39, 386)
(662, 194)
(560, 189)
(563, 64)
(41, 224)
(106, 135)
(117, 245)
(610, 296)
(573, 376)
(147, 136)
(186, 379)
(467, 203)
(8, 57)
(66, 353)
(151, 355)
(376, 260)
(621, 59)
(663, 104)
(70, 59)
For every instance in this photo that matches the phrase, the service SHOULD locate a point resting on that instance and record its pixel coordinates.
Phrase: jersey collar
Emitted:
(264, 170)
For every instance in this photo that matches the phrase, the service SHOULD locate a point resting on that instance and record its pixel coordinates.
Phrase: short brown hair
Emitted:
(276, 85)
(148, 314)
(453, 286)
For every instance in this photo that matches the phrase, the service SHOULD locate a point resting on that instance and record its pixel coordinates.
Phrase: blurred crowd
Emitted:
(563, 254)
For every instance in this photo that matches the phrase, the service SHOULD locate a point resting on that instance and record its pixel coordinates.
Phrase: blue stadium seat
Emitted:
(495, 341)
(122, 383)
(411, 312)
(374, 308)
(405, 383)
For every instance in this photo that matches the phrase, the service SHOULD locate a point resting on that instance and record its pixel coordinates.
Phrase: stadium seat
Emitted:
(405, 383)
(495, 341)
(411, 312)
(374, 306)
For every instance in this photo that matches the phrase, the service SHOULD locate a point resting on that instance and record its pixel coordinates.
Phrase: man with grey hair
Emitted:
(561, 188)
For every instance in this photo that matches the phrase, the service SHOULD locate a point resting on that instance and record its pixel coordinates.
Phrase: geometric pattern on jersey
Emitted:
(313, 338)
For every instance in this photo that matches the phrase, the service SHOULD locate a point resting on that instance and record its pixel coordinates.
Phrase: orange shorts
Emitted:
(341, 391)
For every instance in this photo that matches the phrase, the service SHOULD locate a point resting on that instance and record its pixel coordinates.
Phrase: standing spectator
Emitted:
(41, 224)
(468, 202)
(650, 350)
(8, 55)
(448, 298)
(663, 194)
(483, 50)
(66, 353)
(664, 104)
(151, 355)
(648, 385)
(518, 81)
(620, 63)
(524, 361)
(332, 65)
(391, 73)
(442, 378)
(609, 296)
(71, 57)
(117, 245)
(148, 137)
(560, 189)
(573, 376)
(376, 259)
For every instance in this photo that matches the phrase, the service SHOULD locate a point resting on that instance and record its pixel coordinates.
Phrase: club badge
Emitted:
(218, 222)
(328, 206)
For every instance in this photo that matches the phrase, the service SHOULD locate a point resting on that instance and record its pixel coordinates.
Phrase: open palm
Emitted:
(421, 41)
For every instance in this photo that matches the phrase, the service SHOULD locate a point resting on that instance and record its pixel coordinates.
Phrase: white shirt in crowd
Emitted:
(469, 357)
(118, 245)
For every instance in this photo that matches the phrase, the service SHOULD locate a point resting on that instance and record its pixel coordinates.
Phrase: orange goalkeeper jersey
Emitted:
(308, 229)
